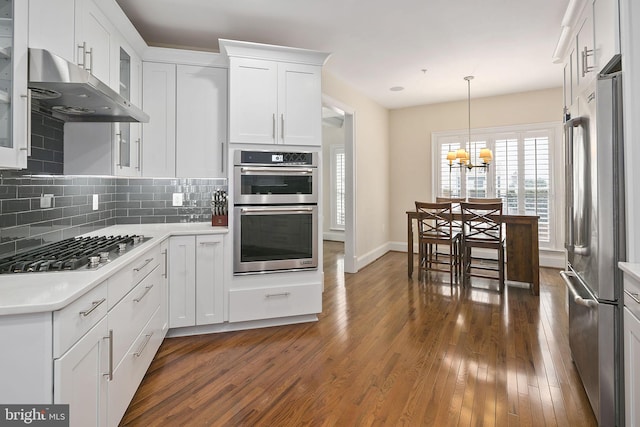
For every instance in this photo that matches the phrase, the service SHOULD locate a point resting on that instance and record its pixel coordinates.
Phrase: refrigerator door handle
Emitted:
(590, 303)
(568, 158)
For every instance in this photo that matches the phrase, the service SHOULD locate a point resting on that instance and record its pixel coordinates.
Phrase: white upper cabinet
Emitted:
(590, 37)
(201, 121)
(52, 26)
(159, 134)
(77, 30)
(607, 31)
(300, 104)
(15, 111)
(186, 135)
(275, 94)
(253, 100)
(128, 136)
(93, 38)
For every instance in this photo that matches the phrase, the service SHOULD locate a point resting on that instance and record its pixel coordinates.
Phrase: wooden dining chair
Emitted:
(435, 230)
(482, 229)
(457, 225)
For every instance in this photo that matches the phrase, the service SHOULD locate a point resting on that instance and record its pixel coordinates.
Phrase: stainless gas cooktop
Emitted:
(76, 253)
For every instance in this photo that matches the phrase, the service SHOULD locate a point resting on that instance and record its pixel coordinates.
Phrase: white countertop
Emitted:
(630, 268)
(37, 292)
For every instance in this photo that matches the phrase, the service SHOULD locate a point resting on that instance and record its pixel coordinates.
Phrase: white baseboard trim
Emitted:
(366, 259)
(548, 258)
(240, 326)
(334, 236)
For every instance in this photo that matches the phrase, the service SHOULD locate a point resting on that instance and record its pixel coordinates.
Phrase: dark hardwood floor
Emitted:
(387, 350)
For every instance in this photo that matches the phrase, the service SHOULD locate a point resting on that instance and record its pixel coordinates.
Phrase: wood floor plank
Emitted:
(386, 351)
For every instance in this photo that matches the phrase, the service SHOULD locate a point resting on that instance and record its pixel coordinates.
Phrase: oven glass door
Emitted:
(272, 185)
(269, 238)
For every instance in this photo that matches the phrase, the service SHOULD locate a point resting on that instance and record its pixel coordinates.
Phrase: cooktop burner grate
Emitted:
(69, 254)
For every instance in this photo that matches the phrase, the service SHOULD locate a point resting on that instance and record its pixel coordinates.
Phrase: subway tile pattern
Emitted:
(150, 200)
(47, 143)
(25, 224)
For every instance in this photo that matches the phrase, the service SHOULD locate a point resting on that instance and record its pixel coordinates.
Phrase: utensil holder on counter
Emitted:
(219, 209)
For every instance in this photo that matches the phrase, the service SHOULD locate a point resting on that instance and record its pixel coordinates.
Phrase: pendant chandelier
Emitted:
(462, 155)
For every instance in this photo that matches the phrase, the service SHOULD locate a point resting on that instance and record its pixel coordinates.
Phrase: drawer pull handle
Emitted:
(147, 338)
(109, 374)
(165, 263)
(281, 294)
(634, 296)
(146, 262)
(94, 305)
(146, 291)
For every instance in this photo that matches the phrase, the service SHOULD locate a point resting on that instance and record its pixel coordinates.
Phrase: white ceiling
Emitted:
(378, 44)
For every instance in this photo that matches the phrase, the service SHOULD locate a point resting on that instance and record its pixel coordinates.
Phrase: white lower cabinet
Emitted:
(632, 368)
(104, 342)
(196, 277)
(81, 378)
(274, 301)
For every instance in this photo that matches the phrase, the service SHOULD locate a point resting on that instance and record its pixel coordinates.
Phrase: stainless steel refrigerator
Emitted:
(595, 242)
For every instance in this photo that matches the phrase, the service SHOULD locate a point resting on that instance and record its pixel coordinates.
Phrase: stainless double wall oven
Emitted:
(275, 211)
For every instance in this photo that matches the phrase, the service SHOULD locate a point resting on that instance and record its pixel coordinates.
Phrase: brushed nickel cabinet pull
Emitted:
(94, 305)
(273, 128)
(165, 264)
(90, 67)
(146, 262)
(147, 338)
(634, 296)
(586, 68)
(27, 97)
(139, 142)
(281, 294)
(109, 374)
(146, 291)
(82, 48)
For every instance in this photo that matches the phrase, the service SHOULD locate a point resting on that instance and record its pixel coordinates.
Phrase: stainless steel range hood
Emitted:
(73, 94)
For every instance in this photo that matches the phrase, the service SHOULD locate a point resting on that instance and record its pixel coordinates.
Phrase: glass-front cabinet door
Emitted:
(15, 106)
(127, 134)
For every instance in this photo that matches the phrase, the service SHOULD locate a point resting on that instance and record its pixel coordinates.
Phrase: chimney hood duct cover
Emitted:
(73, 94)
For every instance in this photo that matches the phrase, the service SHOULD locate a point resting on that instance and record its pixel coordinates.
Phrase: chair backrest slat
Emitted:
(434, 219)
(482, 221)
(484, 200)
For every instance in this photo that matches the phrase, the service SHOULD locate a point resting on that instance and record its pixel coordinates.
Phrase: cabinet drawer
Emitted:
(131, 314)
(128, 375)
(281, 301)
(73, 321)
(131, 274)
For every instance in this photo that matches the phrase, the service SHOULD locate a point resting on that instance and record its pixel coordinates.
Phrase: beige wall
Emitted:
(410, 140)
(372, 165)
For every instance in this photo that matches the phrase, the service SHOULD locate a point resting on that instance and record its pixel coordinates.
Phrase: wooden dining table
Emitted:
(523, 257)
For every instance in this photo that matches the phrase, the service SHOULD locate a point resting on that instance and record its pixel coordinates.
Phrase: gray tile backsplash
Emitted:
(47, 143)
(26, 224)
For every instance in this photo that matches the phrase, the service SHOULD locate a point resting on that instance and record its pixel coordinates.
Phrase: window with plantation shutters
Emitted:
(521, 173)
(338, 187)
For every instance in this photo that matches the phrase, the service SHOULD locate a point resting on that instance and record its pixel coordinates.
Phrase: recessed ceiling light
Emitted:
(396, 89)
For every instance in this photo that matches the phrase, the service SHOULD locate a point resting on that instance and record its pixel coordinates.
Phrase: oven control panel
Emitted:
(274, 158)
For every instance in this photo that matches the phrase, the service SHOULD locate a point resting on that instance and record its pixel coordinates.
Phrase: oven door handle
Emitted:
(277, 210)
(276, 170)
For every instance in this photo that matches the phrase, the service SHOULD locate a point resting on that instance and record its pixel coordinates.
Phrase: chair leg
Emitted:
(501, 268)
